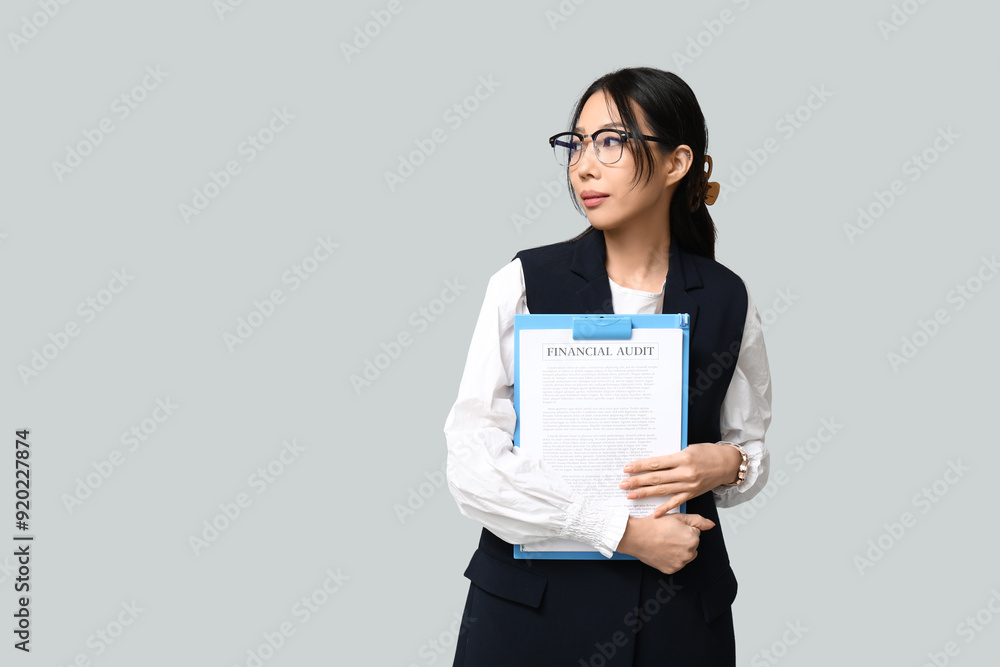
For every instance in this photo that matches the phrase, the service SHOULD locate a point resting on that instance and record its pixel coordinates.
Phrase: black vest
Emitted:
(593, 597)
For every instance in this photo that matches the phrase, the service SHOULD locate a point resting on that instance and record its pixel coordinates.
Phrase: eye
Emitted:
(610, 140)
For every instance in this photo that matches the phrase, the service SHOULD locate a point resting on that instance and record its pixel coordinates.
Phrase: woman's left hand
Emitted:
(686, 474)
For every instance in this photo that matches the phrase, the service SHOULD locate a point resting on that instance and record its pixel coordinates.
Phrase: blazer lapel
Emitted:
(589, 263)
(682, 276)
(595, 296)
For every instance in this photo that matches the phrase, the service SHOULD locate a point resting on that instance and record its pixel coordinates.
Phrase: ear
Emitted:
(677, 164)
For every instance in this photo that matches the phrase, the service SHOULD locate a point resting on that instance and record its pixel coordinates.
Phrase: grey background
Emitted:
(846, 306)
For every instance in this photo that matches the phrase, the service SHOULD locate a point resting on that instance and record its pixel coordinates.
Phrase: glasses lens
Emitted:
(609, 146)
(567, 149)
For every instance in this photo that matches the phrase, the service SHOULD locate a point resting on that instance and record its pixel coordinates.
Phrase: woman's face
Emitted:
(606, 191)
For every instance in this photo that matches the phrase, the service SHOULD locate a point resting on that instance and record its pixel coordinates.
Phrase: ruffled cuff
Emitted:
(728, 496)
(598, 525)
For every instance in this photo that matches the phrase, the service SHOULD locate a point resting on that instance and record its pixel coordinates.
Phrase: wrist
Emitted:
(631, 538)
(736, 469)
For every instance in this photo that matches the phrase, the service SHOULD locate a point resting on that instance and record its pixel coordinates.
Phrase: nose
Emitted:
(587, 163)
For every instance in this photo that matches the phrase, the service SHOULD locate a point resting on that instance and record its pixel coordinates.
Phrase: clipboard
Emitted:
(598, 327)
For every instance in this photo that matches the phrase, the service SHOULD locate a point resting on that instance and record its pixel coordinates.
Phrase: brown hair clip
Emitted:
(706, 191)
(710, 190)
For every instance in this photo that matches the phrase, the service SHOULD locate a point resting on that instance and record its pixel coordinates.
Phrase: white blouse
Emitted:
(514, 494)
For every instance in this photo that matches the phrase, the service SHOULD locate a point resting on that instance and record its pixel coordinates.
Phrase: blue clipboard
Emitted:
(597, 327)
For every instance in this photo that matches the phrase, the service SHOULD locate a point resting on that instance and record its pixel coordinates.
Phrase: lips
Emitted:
(592, 197)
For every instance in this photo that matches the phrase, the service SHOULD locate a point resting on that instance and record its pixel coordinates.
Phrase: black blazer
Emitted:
(553, 612)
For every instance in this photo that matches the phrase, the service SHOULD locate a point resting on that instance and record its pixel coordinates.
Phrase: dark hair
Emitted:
(671, 110)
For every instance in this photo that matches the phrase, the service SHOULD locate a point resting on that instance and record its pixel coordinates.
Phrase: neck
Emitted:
(638, 257)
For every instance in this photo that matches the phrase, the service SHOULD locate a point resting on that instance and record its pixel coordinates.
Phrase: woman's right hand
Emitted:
(667, 543)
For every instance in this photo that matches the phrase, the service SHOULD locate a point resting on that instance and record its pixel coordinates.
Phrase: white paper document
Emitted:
(588, 407)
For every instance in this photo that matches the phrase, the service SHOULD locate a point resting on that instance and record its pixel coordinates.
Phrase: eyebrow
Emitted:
(606, 125)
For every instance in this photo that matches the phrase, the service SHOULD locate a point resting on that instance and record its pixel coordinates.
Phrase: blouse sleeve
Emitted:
(746, 412)
(511, 493)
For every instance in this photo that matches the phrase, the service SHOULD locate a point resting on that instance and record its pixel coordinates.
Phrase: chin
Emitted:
(602, 222)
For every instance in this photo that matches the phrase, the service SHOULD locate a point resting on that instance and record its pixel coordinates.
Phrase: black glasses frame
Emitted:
(622, 134)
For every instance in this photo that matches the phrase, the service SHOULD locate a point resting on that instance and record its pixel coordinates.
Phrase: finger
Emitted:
(646, 479)
(697, 520)
(674, 502)
(654, 463)
(647, 491)
(638, 480)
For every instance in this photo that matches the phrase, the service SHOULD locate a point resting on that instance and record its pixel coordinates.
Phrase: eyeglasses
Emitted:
(608, 145)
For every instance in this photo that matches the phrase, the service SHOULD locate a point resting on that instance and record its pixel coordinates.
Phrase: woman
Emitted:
(634, 160)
